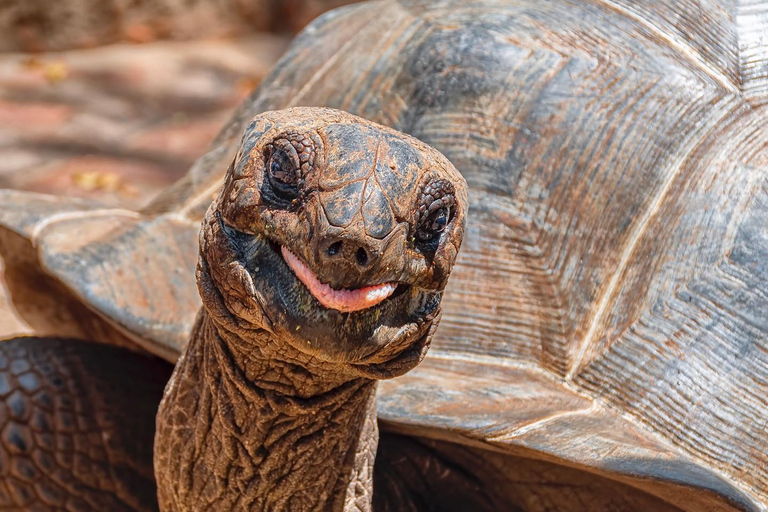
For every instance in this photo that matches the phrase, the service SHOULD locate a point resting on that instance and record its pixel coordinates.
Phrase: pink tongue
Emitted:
(342, 300)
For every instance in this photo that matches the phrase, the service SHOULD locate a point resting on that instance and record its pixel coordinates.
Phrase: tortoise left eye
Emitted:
(435, 212)
(434, 224)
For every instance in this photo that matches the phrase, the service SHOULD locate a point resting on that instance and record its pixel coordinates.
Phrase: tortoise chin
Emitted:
(379, 338)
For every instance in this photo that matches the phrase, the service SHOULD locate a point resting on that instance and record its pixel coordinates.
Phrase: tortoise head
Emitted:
(335, 235)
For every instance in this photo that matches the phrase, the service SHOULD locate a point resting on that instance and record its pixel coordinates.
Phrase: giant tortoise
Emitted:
(604, 338)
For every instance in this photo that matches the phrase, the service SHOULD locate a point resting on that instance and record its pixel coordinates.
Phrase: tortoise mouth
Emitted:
(344, 300)
(383, 323)
(340, 300)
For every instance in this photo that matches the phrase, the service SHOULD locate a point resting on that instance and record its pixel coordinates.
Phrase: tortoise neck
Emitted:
(273, 365)
(252, 429)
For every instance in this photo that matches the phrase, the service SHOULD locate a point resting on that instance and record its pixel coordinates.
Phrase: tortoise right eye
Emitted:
(283, 172)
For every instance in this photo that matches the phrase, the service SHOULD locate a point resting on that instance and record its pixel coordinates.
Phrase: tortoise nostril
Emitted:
(362, 257)
(334, 249)
(347, 251)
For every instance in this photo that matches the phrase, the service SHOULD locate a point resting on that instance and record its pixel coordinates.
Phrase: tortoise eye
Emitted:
(283, 172)
(435, 213)
(434, 224)
(281, 168)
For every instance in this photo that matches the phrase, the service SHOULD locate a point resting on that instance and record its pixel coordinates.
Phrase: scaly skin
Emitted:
(237, 431)
(76, 424)
(273, 404)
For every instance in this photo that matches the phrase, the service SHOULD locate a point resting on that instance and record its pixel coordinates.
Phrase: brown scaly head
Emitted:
(335, 235)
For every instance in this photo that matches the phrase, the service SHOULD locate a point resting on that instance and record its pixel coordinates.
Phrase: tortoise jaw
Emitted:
(344, 300)
(367, 339)
(329, 298)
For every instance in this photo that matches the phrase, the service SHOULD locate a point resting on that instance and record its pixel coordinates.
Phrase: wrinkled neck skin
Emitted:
(249, 423)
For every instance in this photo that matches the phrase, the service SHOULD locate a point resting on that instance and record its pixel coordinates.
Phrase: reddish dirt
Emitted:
(43, 25)
(119, 123)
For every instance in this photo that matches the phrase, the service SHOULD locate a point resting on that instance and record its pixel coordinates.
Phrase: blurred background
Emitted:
(114, 99)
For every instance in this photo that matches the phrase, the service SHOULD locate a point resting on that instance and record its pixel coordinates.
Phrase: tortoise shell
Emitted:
(608, 310)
